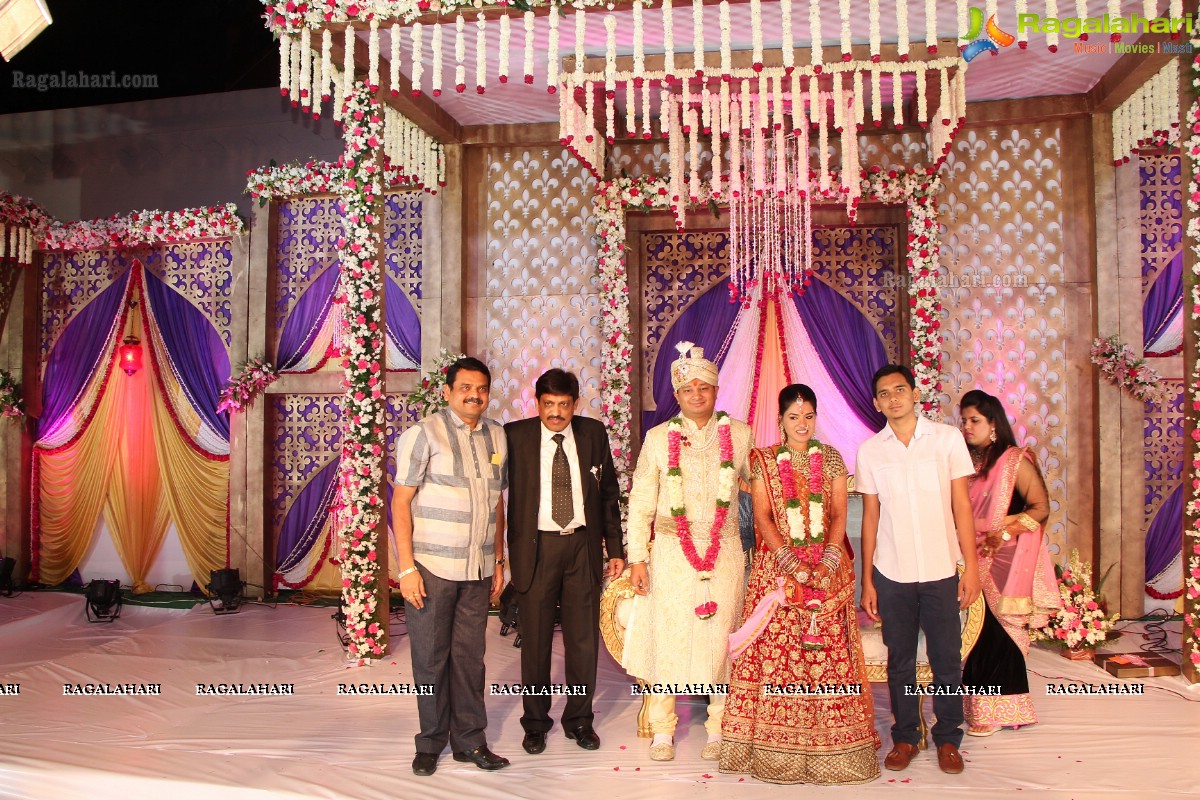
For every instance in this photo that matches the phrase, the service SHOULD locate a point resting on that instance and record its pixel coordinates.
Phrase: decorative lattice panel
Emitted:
(538, 300)
(402, 242)
(69, 282)
(1162, 212)
(306, 435)
(306, 239)
(1164, 447)
(678, 267)
(1004, 294)
(203, 273)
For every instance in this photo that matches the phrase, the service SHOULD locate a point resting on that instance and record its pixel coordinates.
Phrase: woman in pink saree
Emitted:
(1010, 504)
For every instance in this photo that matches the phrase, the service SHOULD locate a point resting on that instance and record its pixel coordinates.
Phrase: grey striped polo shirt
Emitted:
(459, 475)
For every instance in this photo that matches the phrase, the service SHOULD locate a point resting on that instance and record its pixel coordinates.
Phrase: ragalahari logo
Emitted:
(995, 39)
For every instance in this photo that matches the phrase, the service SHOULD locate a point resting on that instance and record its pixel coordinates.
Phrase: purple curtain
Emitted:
(847, 344)
(1165, 536)
(306, 319)
(77, 353)
(306, 517)
(198, 358)
(403, 324)
(1164, 302)
(706, 322)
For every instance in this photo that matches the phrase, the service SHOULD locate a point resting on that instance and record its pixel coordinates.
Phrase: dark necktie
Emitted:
(562, 509)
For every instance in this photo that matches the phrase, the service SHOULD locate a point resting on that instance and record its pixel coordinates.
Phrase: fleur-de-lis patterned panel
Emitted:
(9, 276)
(1162, 212)
(306, 434)
(307, 233)
(69, 282)
(1164, 447)
(203, 273)
(402, 242)
(538, 302)
(860, 263)
(1006, 306)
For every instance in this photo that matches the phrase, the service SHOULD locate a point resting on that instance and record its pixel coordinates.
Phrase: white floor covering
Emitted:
(317, 744)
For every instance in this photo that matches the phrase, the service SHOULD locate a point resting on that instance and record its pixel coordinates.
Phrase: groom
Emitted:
(563, 513)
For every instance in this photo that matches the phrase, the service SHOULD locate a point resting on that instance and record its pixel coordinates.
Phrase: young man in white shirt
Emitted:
(917, 524)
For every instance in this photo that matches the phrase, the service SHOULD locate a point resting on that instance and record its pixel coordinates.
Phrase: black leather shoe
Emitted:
(534, 742)
(483, 758)
(425, 763)
(585, 737)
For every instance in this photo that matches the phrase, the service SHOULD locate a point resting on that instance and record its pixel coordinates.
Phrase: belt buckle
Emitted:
(566, 532)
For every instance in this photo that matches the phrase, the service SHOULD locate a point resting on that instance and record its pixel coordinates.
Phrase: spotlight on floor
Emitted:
(7, 565)
(225, 591)
(103, 601)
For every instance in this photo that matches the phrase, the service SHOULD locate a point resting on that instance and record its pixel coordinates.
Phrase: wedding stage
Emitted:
(317, 743)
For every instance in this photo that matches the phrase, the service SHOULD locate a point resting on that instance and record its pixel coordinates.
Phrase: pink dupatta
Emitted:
(1018, 580)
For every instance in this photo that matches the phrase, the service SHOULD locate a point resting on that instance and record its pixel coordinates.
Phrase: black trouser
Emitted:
(562, 578)
(446, 639)
(931, 607)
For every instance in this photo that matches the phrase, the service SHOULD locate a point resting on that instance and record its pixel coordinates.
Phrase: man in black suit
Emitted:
(563, 512)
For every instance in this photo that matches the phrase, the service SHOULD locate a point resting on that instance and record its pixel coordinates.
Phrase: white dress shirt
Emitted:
(917, 541)
(545, 498)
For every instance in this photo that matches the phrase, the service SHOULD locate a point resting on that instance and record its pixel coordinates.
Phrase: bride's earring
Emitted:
(782, 433)
(992, 436)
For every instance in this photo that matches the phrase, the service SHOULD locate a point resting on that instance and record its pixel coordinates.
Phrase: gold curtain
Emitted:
(196, 490)
(135, 510)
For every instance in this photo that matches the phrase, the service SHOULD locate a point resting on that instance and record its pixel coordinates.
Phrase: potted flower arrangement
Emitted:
(1082, 622)
(428, 397)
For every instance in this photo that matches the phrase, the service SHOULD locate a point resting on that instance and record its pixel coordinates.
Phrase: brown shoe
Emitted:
(949, 759)
(900, 756)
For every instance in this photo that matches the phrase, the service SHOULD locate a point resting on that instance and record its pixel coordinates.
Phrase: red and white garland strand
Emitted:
(1150, 117)
(142, 228)
(358, 511)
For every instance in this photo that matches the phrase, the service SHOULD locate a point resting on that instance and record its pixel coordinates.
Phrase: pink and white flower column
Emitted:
(1191, 533)
(359, 509)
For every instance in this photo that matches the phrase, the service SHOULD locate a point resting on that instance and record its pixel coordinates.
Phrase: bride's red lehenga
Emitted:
(789, 738)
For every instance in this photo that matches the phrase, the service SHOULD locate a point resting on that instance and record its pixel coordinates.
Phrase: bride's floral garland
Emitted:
(810, 531)
(725, 484)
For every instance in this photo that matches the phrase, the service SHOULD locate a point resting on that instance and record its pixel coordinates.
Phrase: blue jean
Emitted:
(931, 607)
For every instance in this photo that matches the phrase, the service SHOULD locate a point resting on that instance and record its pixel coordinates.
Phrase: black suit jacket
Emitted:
(601, 495)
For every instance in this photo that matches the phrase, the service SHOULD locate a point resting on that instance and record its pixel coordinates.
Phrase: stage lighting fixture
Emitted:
(225, 591)
(7, 565)
(103, 601)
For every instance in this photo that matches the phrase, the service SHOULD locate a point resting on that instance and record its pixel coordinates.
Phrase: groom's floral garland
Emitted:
(916, 189)
(725, 485)
(359, 506)
(803, 533)
(1191, 572)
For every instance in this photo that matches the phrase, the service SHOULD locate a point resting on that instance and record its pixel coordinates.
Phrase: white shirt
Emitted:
(546, 496)
(917, 542)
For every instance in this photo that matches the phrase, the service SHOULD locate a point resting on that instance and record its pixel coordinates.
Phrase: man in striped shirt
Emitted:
(448, 518)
